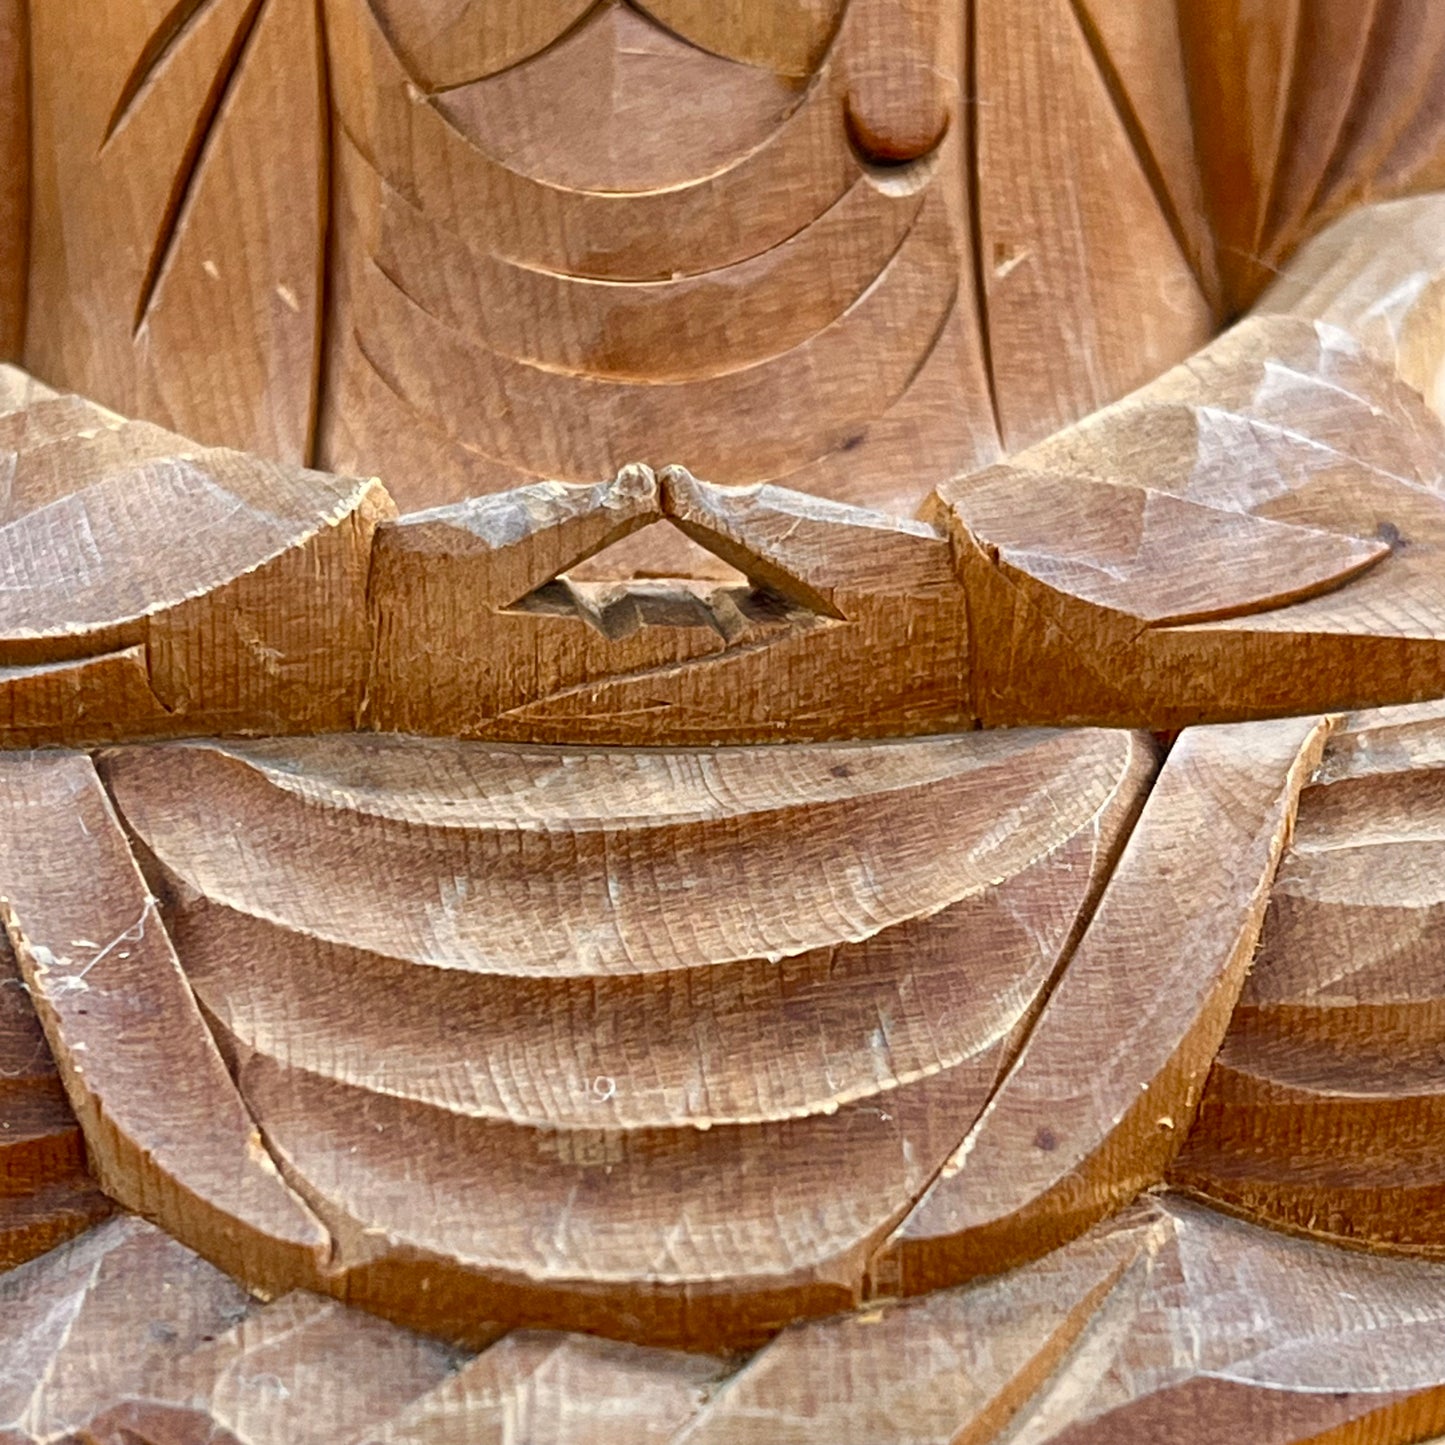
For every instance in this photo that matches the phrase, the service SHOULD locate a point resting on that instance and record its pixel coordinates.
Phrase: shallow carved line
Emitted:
(192, 159)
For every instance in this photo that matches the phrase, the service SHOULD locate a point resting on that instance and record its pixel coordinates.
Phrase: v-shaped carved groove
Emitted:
(163, 40)
(1136, 135)
(183, 183)
(618, 609)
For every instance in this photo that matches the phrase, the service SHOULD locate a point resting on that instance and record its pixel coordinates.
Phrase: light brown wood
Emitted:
(660, 177)
(1302, 110)
(686, 1042)
(125, 1335)
(326, 241)
(1168, 1325)
(46, 1194)
(1256, 532)
(1252, 534)
(481, 633)
(303, 1368)
(1323, 1105)
(789, 37)
(1104, 1089)
(1060, 182)
(1378, 275)
(156, 587)
(555, 1389)
(14, 174)
(505, 985)
(176, 1144)
(96, 1320)
(178, 213)
(1137, 48)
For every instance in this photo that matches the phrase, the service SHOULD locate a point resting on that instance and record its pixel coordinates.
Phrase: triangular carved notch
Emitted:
(770, 595)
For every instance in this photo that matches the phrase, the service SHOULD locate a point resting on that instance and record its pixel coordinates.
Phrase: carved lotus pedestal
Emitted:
(722, 723)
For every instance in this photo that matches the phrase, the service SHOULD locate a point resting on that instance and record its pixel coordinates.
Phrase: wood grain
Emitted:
(530, 967)
(1306, 417)
(303, 1368)
(481, 632)
(789, 36)
(1320, 1113)
(1089, 1116)
(46, 1193)
(178, 213)
(1168, 1324)
(1377, 274)
(153, 586)
(1075, 319)
(650, 226)
(177, 1144)
(556, 1389)
(98, 1320)
(14, 174)
(1302, 110)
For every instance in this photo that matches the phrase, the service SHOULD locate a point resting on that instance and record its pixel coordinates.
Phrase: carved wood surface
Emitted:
(14, 175)
(155, 586)
(482, 633)
(660, 1181)
(688, 1044)
(179, 192)
(1255, 533)
(1321, 1110)
(636, 219)
(46, 1194)
(1169, 1324)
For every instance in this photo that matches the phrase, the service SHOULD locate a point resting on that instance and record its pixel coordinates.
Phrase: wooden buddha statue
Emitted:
(722, 721)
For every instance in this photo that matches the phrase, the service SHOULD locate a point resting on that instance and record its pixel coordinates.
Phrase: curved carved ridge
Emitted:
(619, 379)
(1170, 1321)
(1085, 1119)
(1107, 84)
(142, 576)
(200, 236)
(802, 403)
(1323, 1110)
(1256, 533)
(677, 329)
(1331, 109)
(802, 168)
(46, 1193)
(1290, 419)
(473, 45)
(621, 106)
(822, 1064)
(101, 971)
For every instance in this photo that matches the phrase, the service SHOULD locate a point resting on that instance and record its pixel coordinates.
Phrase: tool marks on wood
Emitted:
(1322, 1111)
(1290, 471)
(1169, 1323)
(46, 1193)
(154, 586)
(702, 1053)
(179, 198)
(482, 633)
(175, 1143)
(1087, 1117)
(1303, 110)
(676, 187)
(14, 174)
